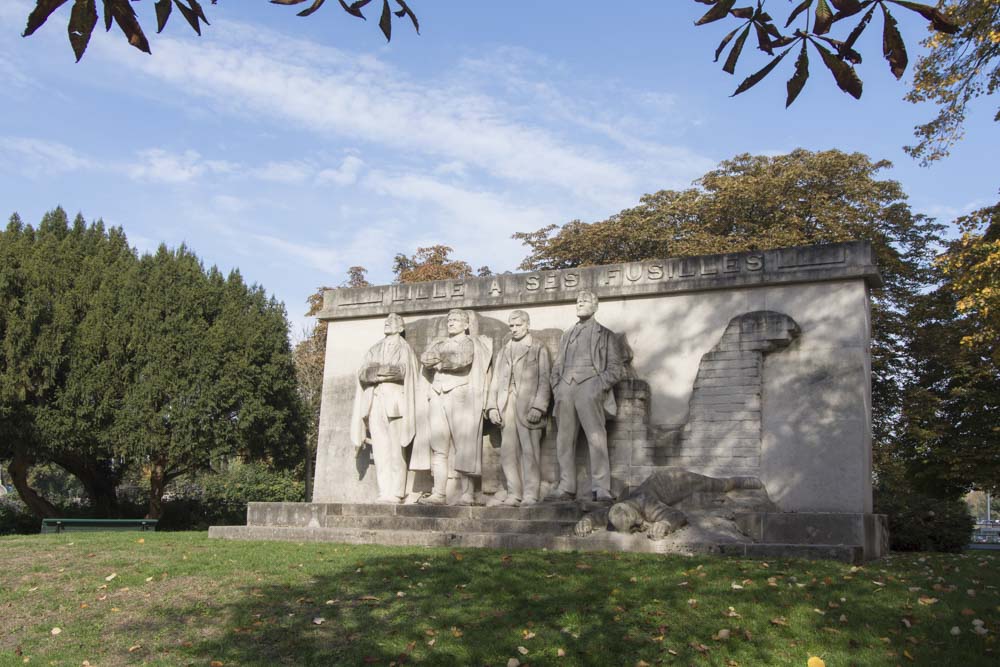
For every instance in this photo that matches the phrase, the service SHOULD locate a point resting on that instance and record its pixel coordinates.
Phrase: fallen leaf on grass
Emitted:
(455, 632)
(815, 662)
(111, 576)
(432, 642)
(692, 602)
(522, 650)
(513, 662)
(216, 663)
(148, 579)
(671, 651)
(779, 620)
(956, 631)
(456, 555)
(731, 613)
(968, 612)
(319, 620)
(527, 634)
(926, 601)
(56, 631)
(582, 566)
(906, 654)
(722, 635)
(561, 653)
(141, 540)
(735, 586)
(133, 649)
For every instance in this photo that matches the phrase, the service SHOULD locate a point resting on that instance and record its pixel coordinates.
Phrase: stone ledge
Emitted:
(677, 275)
(609, 542)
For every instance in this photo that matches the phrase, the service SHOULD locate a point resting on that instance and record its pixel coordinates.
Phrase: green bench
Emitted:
(64, 525)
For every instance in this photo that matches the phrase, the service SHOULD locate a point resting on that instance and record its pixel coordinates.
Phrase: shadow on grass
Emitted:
(478, 607)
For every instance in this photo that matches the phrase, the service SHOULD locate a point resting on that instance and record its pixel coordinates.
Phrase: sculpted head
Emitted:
(518, 322)
(458, 321)
(624, 517)
(586, 304)
(393, 324)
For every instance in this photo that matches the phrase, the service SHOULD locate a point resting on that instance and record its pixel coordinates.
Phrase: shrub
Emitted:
(919, 522)
(221, 498)
(16, 518)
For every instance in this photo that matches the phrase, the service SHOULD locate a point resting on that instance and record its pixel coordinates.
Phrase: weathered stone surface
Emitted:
(704, 390)
(839, 261)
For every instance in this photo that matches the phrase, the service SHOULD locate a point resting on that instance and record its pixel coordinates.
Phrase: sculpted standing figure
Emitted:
(385, 399)
(518, 399)
(458, 367)
(586, 369)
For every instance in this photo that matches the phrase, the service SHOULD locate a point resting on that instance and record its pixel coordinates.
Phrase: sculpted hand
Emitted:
(584, 527)
(534, 416)
(494, 416)
(659, 530)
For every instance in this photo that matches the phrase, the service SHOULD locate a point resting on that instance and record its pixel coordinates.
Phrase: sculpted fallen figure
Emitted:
(649, 507)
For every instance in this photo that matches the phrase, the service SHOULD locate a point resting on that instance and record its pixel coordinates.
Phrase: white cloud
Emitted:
(37, 157)
(282, 172)
(161, 166)
(345, 174)
(258, 72)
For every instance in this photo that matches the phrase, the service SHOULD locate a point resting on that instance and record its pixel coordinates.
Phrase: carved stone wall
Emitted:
(723, 431)
(705, 393)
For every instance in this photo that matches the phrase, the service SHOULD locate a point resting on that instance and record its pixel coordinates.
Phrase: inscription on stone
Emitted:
(681, 274)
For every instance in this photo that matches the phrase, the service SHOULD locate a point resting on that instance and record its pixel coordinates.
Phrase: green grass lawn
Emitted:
(180, 599)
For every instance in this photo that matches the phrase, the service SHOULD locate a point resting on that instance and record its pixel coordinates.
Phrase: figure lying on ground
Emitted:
(648, 508)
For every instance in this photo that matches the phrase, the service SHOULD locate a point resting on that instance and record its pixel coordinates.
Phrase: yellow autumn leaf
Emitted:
(815, 662)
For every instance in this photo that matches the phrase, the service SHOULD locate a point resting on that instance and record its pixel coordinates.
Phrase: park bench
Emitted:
(63, 525)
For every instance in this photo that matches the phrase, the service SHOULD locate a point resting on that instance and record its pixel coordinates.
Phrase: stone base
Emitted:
(845, 537)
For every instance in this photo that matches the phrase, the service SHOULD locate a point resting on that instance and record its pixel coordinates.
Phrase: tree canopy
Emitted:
(111, 361)
(758, 202)
(960, 67)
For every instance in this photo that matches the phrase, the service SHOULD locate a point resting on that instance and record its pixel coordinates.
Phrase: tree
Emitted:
(948, 442)
(959, 68)
(813, 27)
(213, 373)
(83, 17)
(972, 268)
(108, 361)
(759, 202)
(432, 263)
(57, 376)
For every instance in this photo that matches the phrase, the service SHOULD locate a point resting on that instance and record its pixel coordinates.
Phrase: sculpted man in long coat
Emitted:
(385, 402)
(586, 369)
(518, 399)
(458, 373)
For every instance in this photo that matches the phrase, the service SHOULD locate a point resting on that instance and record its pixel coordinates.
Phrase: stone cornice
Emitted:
(803, 264)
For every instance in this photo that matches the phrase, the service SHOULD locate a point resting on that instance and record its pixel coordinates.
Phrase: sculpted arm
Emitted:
(543, 393)
(615, 369)
(457, 357)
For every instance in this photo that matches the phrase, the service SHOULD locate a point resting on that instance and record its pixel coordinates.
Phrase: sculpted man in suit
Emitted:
(385, 402)
(458, 369)
(518, 399)
(585, 371)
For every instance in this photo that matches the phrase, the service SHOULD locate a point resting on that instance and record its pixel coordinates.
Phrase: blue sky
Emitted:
(293, 148)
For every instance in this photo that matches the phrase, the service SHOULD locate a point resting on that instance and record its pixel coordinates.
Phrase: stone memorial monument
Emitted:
(722, 404)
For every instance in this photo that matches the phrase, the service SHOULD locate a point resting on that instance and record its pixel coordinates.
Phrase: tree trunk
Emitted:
(310, 457)
(99, 483)
(157, 485)
(18, 469)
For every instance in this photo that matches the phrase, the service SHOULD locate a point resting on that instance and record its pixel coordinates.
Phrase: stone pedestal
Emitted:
(844, 537)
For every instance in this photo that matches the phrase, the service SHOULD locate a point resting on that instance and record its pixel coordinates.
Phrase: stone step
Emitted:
(449, 525)
(319, 514)
(604, 541)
